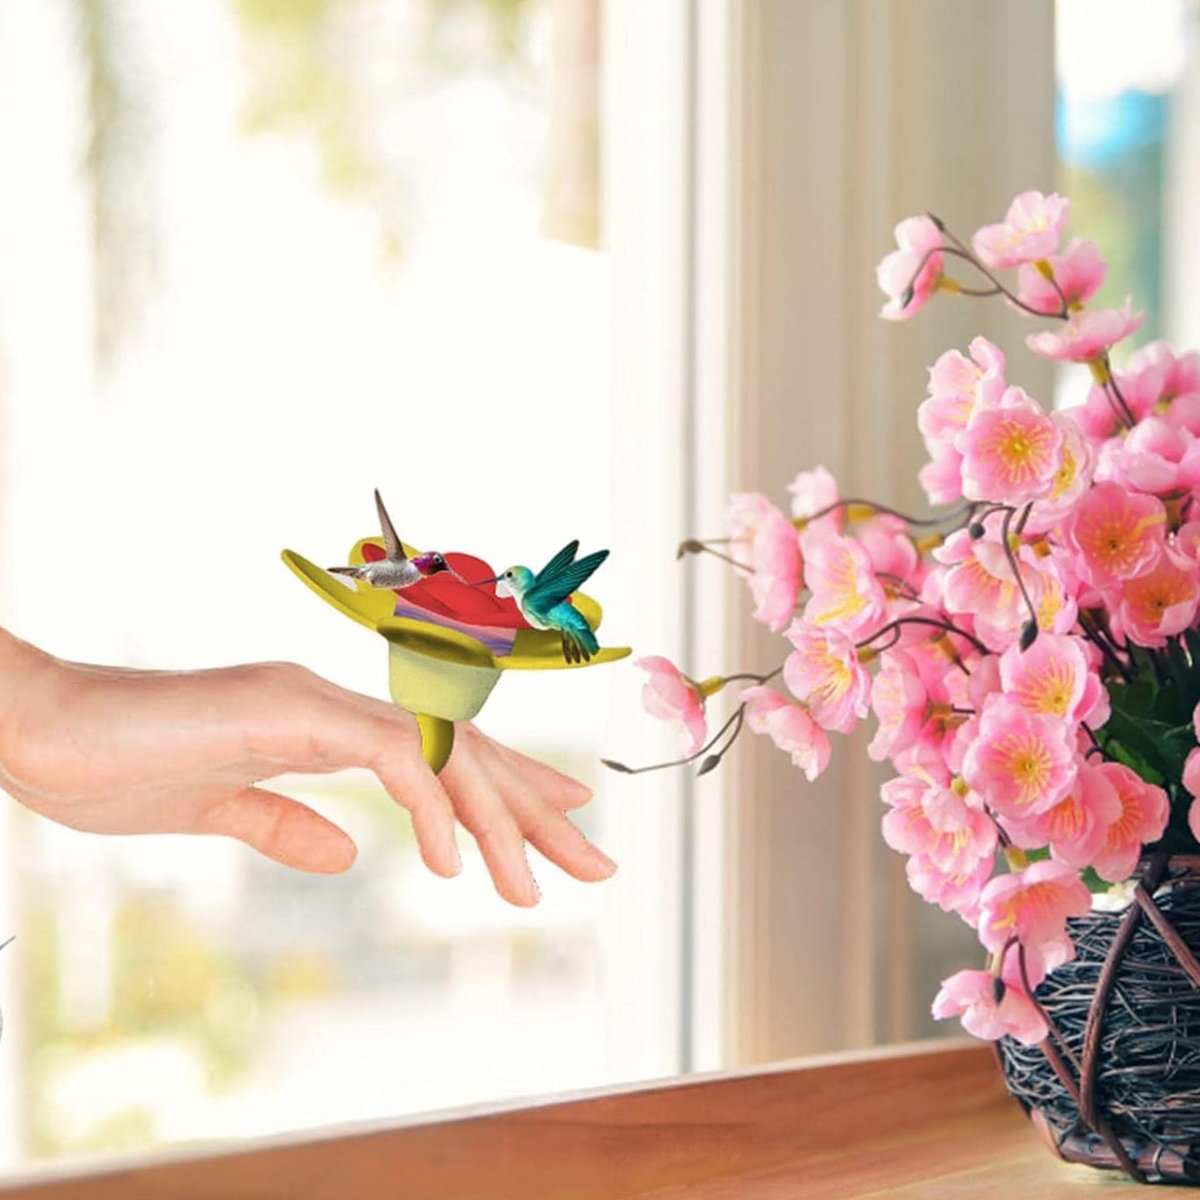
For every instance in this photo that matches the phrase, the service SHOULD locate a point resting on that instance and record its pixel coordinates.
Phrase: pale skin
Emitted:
(118, 751)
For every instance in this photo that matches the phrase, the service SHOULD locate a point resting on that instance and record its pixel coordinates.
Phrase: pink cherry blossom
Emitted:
(1078, 273)
(1076, 828)
(1032, 905)
(745, 515)
(904, 280)
(1039, 961)
(1180, 372)
(957, 385)
(1022, 763)
(979, 585)
(1057, 608)
(956, 893)
(790, 726)
(979, 588)
(890, 547)
(1193, 819)
(846, 596)
(1088, 335)
(1191, 772)
(946, 684)
(1178, 399)
(941, 478)
(1162, 602)
(775, 582)
(1154, 457)
(824, 671)
(766, 541)
(1030, 231)
(1142, 820)
(671, 696)
(899, 700)
(813, 491)
(1076, 462)
(1011, 453)
(1099, 418)
(1117, 535)
(975, 378)
(990, 1008)
(1054, 677)
(951, 830)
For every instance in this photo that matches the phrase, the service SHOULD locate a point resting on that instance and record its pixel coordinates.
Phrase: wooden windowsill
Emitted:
(920, 1122)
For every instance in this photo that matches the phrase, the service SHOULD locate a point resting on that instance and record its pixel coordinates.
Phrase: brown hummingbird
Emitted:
(396, 570)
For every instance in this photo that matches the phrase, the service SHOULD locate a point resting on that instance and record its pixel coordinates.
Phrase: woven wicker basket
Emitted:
(1117, 1083)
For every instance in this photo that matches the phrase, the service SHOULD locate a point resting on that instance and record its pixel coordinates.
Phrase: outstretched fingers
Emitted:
(343, 729)
(482, 810)
(415, 787)
(547, 829)
(560, 790)
(502, 797)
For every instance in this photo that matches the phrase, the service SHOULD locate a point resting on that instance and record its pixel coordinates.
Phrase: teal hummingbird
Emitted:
(544, 598)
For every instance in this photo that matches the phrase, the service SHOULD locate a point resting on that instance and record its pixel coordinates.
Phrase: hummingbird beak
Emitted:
(481, 582)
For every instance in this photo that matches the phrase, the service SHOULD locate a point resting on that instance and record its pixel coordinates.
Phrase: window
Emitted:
(257, 258)
(1126, 131)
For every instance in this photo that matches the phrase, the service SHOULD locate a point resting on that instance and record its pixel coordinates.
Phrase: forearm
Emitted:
(23, 668)
(16, 655)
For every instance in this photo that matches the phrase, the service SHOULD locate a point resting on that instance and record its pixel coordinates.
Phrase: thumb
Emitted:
(282, 829)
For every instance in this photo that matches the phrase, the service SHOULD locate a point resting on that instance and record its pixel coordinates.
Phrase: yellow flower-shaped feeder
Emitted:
(447, 642)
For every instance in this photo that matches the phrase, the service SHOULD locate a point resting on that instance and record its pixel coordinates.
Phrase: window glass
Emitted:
(257, 258)
(1125, 74)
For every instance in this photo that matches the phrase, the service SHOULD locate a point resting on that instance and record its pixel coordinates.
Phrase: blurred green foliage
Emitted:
(1121, 211)
(306, 78)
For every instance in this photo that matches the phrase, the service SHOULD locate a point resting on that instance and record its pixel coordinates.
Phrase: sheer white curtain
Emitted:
(843, 117)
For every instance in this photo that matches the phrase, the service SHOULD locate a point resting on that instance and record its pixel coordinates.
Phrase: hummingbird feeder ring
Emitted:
(448, 642)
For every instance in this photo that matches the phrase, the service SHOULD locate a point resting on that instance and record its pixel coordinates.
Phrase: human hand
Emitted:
(112, 750)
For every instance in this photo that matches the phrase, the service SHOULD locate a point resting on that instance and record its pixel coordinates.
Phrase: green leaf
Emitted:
(1161, 746)
(1122, 754)
(1134, 699)
(1176, 699)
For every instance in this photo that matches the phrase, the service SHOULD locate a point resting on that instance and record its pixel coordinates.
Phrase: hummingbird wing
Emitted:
(548, 590)
(391, 542)
(562, 559)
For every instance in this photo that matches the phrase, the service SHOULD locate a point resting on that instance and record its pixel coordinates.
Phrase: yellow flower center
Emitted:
(1027, 763)
(1049, 691)
(1064, 477)
(1019, 449)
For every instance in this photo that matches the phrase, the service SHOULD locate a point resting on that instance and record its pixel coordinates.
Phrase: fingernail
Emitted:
(610, 867)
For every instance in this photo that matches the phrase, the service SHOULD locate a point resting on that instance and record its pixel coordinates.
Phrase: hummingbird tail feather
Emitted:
(579, 642)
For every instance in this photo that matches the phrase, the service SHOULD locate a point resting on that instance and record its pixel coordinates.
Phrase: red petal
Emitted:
(477, 605)
(445, 596)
